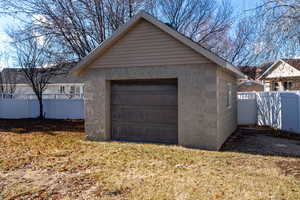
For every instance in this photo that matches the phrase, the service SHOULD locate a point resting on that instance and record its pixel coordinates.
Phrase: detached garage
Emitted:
(148, 83)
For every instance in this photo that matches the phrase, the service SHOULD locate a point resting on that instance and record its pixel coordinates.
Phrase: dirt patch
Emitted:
(43, 184)
(290, 168)
(262, 141)
(47, 126)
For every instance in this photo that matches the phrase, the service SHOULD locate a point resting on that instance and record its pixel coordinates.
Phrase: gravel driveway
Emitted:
(264, 142)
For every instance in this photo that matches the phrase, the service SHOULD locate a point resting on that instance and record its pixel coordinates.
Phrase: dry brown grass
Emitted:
(54, 161)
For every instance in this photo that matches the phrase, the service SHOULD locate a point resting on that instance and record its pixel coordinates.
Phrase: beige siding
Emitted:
(227, 116)
(146, 45)
(283, 70)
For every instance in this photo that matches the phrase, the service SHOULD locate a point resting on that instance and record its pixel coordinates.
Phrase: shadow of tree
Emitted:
(47, 126)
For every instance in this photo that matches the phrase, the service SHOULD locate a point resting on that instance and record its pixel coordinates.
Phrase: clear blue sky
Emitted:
(239, 6)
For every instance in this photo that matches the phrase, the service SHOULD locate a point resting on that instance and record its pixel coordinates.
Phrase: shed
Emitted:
(149, 83)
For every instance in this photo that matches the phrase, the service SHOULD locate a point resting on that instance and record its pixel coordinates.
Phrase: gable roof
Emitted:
(292, 62)
(123, 30)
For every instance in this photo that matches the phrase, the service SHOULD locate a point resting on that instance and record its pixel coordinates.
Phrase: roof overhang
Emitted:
(123, 30)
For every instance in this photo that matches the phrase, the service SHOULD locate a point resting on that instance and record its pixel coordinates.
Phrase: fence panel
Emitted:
(290, 112)
(64, 109)
(280, 110)
(247, 110)
(53, 108)
(269, 110)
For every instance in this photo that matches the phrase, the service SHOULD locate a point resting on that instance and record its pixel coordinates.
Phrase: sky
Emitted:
(239, 5)
(245, 4)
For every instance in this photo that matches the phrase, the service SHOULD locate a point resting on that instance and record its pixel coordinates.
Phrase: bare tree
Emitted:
(285, 16)
(241, 45)
(7, 83)
(7, 78)
(79, 26)
(205, 22)
(36, 64)
(75, 26)
(279, 29)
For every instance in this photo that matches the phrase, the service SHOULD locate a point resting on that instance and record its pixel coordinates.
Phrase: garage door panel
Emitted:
(145, 111)
(128, 99)
(142, 133)
(166, 115)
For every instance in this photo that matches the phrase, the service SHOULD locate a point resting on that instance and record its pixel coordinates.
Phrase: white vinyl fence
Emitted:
(280, 110)
(53, 108)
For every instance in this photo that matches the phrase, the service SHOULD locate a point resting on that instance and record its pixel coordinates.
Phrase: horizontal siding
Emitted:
(147, 45)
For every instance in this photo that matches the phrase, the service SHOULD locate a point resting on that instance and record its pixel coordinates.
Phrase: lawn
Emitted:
(51, 160)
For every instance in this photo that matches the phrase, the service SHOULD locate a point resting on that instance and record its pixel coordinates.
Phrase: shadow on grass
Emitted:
(47, 126)
(264, 142)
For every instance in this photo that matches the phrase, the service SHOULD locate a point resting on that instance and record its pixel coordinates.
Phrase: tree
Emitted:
(285, 16)
(240, 49)
(7, 83)
(75, 26)
(34, 60)
(279, 31)
(7, 78)
(205, 22)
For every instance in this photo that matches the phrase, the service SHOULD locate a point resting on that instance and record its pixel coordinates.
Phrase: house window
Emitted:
(61, 89)
(77, 89)
(275, 86)
(229, 95)
(72, 89)
(287, 85)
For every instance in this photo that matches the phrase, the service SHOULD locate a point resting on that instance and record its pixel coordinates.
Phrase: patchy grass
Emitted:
(62, 165)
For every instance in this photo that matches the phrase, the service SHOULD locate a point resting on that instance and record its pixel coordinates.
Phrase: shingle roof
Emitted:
(254, 72)
(250, 71)
(293, 62)
(20, 78)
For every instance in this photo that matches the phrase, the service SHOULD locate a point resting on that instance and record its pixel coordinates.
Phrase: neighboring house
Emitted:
(282, 75)
(62, 86)
(149, 83)
(250, 86)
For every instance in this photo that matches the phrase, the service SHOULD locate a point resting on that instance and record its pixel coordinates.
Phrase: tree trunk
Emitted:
(130, 9)
(41, 116)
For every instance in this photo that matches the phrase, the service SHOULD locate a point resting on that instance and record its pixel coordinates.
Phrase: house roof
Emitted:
(293, 62)
(256, 72)
(250, 71)
(19, 77)
(250, 82)
(123, 30)
(268, 66)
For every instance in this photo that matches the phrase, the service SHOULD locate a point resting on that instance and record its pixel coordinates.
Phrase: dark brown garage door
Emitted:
(145, 111)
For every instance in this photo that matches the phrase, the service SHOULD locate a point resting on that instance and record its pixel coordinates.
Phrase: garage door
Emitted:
(145, 111)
